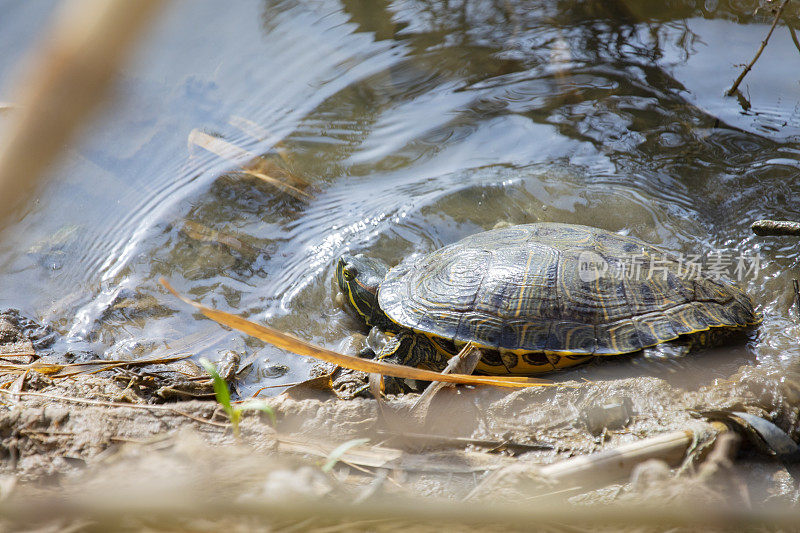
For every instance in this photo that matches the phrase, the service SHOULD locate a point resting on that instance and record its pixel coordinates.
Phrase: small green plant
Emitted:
(234, 411)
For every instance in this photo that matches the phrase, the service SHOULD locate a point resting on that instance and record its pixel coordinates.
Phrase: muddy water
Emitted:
(416, 124)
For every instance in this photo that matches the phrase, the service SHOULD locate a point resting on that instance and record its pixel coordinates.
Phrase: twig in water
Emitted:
(445, 462)
(796, 293)
(749, 66)
(279, 385)
(775, 228)
(248, 160)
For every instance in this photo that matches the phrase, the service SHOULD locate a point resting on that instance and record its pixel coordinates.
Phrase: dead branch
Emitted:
(775, 228)
(749, 66)
(794, 36)
(462, 363)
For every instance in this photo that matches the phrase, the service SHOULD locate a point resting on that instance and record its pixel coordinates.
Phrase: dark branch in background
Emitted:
(778, 228)
(749, 66)
(794, 35)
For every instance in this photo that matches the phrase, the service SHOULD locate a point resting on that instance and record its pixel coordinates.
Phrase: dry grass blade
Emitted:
(17, 386)
(300, 347)
(47, 369)
(101, 365)
(199, 232)
(278, 184)
(243, 158)
(795, 40)
(57, 370)
(87, 401)
(262, 134)
(448, 462)
(222, 148)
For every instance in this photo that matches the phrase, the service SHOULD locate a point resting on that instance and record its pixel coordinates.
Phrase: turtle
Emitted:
(540, 297)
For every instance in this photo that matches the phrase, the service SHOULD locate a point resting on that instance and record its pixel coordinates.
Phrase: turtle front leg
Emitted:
(409, 349)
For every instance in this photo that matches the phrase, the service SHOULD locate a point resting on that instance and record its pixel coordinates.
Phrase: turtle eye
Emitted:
(349, 272)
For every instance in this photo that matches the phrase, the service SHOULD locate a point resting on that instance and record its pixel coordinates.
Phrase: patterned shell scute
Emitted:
(522, 288)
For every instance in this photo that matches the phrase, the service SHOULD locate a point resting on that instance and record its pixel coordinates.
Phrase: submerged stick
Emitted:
(260, 132)
(749, 66)
(610, 465)
(775, 228)
(245, 158)
(450, 462)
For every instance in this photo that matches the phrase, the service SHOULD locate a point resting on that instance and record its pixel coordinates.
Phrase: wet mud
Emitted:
(103, 443)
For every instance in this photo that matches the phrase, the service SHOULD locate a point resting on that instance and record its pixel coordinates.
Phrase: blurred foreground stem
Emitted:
(68, 76)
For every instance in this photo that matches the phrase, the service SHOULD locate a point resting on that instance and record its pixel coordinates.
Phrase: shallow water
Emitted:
(416, 123)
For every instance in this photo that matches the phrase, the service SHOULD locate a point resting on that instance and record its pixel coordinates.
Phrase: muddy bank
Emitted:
(107, 448)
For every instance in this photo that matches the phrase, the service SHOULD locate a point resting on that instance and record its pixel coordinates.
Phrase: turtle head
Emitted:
(359, 278)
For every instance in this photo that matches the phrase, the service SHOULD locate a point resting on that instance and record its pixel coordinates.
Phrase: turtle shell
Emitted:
(558, 289)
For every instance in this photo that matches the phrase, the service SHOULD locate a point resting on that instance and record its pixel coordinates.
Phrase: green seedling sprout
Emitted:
(234, 411)
(340, 450)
